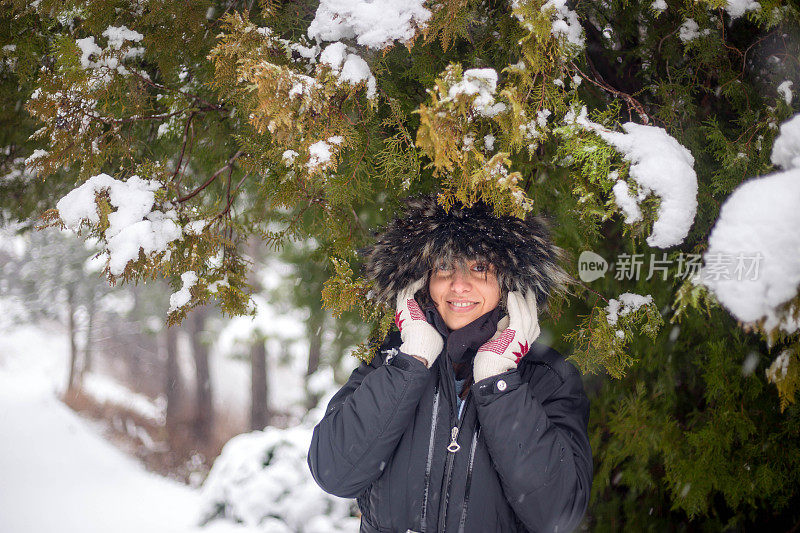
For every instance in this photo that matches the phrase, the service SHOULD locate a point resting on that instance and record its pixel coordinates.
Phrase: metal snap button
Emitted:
(501, 385)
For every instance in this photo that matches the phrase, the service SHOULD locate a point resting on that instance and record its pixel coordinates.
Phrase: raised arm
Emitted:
(366, 418)
(364, 422)
(537, 439)
(539, 446)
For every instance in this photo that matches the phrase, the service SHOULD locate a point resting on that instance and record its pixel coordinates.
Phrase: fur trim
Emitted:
(522, 252)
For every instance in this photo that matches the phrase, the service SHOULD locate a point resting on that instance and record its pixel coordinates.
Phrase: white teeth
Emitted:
(461, 304)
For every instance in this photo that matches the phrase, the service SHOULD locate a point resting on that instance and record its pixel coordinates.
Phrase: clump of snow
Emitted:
(565, 22)
(320, 152)
(534, 130)
(288, 157)
(779, 368)
(117, 35)
(481, 82)
(541, 117)
(690, 31)
(88, 49)
(659, 165)
(302, 86)
(195, 227)
(37, 154)
(309, 53)
(786, 150)
(626, 202)
(166, 128)
(627, 303)
(759, 219)
(348, 67)
(133, 227)
(180, 298)
(261, 479)
(217, 285)
(95, 58)
(785, 90)
(334, 55)
(737, 8)
(659, 6)
(374, 24)
(355, 70)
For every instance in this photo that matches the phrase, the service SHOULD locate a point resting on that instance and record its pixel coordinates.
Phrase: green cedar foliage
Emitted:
(224, 108)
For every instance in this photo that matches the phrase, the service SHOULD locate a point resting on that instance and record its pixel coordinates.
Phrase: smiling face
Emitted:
(464, 291)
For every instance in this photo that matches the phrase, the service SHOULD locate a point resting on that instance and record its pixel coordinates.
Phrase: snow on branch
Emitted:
(661, 166)
(737, 8)
(133, 227)
(183, 296)
(786, 149)
(348, 67)
(628, 302)
(481, 83)
(374, 24)
(564, 22)
(601, 340)
(95, 58)
(760, 220)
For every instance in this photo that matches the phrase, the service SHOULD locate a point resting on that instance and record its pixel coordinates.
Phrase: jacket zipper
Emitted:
(469, 478)
(452, 448)
(429, 462)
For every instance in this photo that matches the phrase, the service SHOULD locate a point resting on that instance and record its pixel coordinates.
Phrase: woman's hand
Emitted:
(503, 351)
(420, 339)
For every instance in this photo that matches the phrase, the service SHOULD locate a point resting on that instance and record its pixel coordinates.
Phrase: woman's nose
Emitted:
(460, 282)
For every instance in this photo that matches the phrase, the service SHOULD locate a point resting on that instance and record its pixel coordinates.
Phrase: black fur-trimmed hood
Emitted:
(522, 252)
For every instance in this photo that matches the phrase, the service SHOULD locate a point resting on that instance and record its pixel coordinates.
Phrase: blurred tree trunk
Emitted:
(316, 322)
(259, 391)
(134, 358)
(204, 416)
(87, 349)
(173, 387)
(72, 379)
(259, 384)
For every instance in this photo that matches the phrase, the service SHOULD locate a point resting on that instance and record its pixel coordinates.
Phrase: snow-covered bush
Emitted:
(262, 479)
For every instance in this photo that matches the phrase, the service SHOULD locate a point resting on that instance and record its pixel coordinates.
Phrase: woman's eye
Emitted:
(480, 267)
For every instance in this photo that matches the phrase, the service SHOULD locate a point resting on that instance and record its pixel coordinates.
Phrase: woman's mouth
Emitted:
(461, 307)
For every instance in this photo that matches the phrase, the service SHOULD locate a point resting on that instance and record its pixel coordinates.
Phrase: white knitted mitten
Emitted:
(419, 337)
(504, 350)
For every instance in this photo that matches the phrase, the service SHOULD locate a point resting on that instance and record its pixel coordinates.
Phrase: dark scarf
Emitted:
(462, 344)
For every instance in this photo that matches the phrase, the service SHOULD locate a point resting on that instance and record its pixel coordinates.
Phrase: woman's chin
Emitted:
(455, 322)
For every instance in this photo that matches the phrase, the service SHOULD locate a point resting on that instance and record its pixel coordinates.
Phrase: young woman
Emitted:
(461, 422)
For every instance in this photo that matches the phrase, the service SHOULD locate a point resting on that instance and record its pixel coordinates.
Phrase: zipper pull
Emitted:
(453, 447)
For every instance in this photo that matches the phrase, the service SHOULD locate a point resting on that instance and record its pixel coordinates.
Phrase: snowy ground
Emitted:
(57, 474)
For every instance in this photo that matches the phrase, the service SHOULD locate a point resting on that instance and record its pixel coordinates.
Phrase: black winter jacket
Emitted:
(522, 460)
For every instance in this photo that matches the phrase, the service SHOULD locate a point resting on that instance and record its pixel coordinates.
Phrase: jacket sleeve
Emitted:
(539, 445)
(364, 422)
